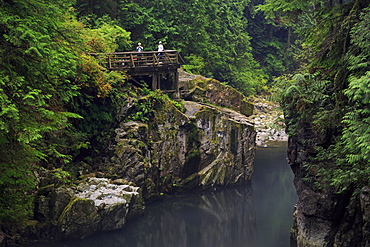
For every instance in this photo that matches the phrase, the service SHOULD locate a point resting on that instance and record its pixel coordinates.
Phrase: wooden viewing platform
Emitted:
(152, 64)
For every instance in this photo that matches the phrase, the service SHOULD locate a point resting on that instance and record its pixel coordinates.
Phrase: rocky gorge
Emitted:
(210, 142)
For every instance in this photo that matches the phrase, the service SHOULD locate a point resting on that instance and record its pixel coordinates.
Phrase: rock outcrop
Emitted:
(94, 204)
(267, 117)
(203, 147)
(169, 151)
(211, 91)
(268, 120)
(322, 216)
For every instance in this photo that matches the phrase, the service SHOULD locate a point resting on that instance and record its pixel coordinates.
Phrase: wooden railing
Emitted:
(128, 60)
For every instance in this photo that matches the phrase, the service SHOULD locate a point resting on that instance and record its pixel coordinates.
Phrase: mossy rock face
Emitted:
(170, 153)
(79, 219)
(214, 92)
(131, 152)
(87, 207)
(207, 145)
(217, 172)
(167, 153)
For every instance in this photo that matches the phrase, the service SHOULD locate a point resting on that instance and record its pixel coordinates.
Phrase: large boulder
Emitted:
(95, 204)
(79, 219)
(205, 90)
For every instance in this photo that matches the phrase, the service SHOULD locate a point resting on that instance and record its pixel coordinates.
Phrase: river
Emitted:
(256, 215)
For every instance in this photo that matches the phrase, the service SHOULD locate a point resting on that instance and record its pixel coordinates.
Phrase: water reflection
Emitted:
(209, 219)
(274, 196)
(219, 218)
(258, 215)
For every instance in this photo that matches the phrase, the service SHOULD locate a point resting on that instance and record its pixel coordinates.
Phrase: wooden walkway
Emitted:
(147, 63)
(128, 60)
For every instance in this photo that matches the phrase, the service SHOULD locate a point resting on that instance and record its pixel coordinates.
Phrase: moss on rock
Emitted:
(214, 92)
(79, 219)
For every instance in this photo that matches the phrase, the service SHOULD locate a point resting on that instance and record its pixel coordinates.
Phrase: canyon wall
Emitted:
(323, 217)
(174, 151)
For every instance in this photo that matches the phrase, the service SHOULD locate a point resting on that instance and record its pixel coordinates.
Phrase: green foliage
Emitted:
(273, 44)
(107, 36)
(43, 71)
(323, 30)
(249, 81)
(195, 64)
(97, 7)
(351, 152)
(210, 34)
(36, 64)
(353, 163)
(358, 57)
(144, 108)
(354, 167)
(17, 182)
(61, 174)
(304, 97)
(333, 106)
(143, 111)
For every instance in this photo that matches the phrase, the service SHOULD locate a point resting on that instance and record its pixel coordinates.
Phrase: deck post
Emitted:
(154, 81)
(176, 83)
(109, 62)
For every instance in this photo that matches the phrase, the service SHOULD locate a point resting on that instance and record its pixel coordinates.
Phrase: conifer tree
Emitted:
(44, 68)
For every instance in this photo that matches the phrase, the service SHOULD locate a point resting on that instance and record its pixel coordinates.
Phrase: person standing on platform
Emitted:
(139, 48)
(160, 48)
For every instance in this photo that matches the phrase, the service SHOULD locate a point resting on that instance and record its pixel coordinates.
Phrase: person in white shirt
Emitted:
(139, 48)
(160, 48)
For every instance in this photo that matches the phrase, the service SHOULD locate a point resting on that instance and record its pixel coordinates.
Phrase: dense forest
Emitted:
(214, 36)
(326, 106)
(330, 94)
(58, 105)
